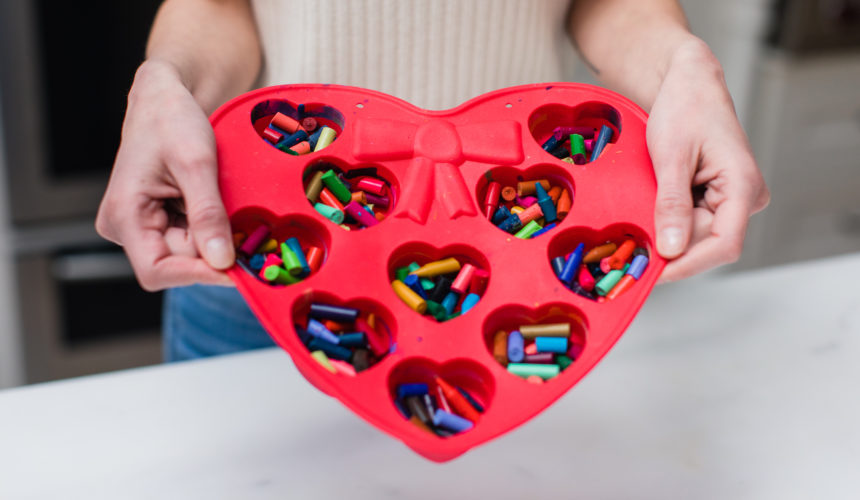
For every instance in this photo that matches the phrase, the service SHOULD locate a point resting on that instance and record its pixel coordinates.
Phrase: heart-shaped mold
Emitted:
(446, 400)
(526, 203)
(579, 134)
(536, 345)
(441, 284)
(344, 337)
(278, 251)
(600, 265)
(353, 197)
(297, 129)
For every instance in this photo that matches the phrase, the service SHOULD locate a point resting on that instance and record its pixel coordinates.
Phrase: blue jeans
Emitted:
(201, 321)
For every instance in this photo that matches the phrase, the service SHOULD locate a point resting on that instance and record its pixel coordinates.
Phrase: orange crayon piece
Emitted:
(457, 401)
(526, 188)
(314, 256)
(563, 205)
(622, 254)
(509, 193)
(500, 347)
(622, 286)
(554, 193)
(600, 252)
(330, 199)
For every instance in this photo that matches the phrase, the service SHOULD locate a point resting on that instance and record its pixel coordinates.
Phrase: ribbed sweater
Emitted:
(432, 53)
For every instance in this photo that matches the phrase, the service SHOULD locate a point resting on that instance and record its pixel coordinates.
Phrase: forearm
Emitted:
(630, 44)
(212, 46)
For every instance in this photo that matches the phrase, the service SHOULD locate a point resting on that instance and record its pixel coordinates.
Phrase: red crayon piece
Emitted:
(334, 326)
(575, 350)
(309, 124)
(371, 185)
(586, 280)
(622, 255)
(314, 256)
(480, 278)
(622, 286)
(330, 199)
(457, 401)
(464, 279)
(272, 135)
(491, 200)
(285, 123)
(376, 340)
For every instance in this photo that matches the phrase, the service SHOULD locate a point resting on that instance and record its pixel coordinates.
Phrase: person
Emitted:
(162, 203)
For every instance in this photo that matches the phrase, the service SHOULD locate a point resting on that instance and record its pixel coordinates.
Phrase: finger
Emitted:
(722, 246)
(179, 242)
(195, 170)
(673, 211)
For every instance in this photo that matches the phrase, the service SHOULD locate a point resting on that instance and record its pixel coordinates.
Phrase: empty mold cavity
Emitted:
(535, 344)
(296, 129)
(462, 389)
(552, 124)
(258, 235)
(610, 263)
(516, 205)
(346, 337)
(351, 196)
(439, 283)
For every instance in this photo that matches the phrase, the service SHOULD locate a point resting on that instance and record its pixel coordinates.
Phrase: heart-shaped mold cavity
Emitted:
(297, 129)
(445, 400)
(536, 345)
(579, 134)
(353, 197)
(344, 337)
(278, 251)
(440, 284)
(600, 265)
(526, 203)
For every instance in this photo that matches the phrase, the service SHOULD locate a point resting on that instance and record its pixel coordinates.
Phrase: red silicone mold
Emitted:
(436, 164)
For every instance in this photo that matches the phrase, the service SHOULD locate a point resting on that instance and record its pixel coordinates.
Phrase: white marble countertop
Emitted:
(737, 387)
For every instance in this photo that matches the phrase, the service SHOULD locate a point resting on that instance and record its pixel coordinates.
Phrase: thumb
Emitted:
(196, 173)
(673, 212)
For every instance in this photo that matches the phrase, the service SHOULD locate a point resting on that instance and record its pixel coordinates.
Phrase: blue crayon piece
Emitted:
(313, 138)
(515, 347)
(560, 152)
(319, 331)
(638, 266)
(571, 265)
(602, 140)
(296, 247)
(557, 265)
(353, 339)
(304, 336)
(550, 144)
(543, 229)
(333, 351)
(545, 202)
(450, 302)
(551, 344)
(340, 314)
(469, 301)
(501, 214)
(406, 390)
(291, 140)
(414, 282)
(472, 401)
(257, 261)
(450, 421)
(401, 409)
(512, 224)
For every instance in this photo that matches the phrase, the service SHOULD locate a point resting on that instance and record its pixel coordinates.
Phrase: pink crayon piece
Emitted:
(377, 342)
(562, 133)
(586, 280)
(526, 201)
(272, 259)
(575, 351)
(604, 265)
(361, 214)
(530, 349)
(464, 279)
(589, 145)
(443, 402)
(342, 367)
(250, 245)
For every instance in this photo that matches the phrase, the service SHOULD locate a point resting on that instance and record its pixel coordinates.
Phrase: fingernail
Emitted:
(218, 254)
(670, 242)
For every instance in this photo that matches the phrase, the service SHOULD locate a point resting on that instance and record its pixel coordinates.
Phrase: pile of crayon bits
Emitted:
(343, 339)
(357, 199)
(536, 352)
(440, 408)
(297, 137)
(276, 262)
(577, 145)
(443, 289)
(603, 272)
(528, 209)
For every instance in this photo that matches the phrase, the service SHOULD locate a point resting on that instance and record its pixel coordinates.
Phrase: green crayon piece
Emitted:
(528, 230)
(401, 273)
(563, 361)
(436, 310)
(286, 149)
(291, 261)
(414, 267)
(427, 284)
(337, 188)
(577, 149)
(277, 274)
(329, 213)
(607, 282)
(526, 370)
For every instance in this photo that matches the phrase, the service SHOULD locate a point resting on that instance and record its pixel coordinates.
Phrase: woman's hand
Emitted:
(708, 184)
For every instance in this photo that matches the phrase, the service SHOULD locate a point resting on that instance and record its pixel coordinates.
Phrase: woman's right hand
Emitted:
(162, 204)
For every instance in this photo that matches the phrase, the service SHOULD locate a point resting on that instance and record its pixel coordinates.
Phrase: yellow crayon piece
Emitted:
(435, 268)
(550, 330)
(269, 246)
(322, 359)
(327, 136)
(516, 209)
(409, 297)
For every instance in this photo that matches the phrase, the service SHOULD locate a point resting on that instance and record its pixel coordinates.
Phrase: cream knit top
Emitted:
(432, 53)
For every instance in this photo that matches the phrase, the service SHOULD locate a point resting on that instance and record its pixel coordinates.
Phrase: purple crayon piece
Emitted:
(450, 421)
(543, 358)
(361, 214)
(254, 240)
(563, 132)
(377, 201)
(319, 330)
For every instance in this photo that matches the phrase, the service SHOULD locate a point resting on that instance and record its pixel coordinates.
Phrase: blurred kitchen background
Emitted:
(69, 303)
